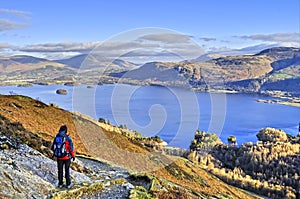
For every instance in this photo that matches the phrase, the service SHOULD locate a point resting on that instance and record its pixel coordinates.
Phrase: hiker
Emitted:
(63, 150)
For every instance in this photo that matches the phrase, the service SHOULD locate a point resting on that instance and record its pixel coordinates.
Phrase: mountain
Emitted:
(245, 73)
(271, 70)
(206, 57)
(25, 63)
(279, 53)
(214, 72)
(73, 62)
(90, 61)
(285, 74)
(26, 70)
(109, 163)
(283, 57)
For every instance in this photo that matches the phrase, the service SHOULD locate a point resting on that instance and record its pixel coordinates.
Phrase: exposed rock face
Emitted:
(26, 173)
(21, 166)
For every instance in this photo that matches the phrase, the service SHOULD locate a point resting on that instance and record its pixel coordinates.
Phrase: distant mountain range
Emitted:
(272, 69)
(89, 61)
(24, 63)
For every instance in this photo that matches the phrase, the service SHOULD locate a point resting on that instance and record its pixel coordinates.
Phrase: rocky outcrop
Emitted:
(61, 91)
(27, 173)
(21, 166)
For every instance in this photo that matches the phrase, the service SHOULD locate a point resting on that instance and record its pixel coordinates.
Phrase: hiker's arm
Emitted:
(72, 151)
(52, 146)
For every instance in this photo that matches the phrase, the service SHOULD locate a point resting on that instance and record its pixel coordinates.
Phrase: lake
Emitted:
(173, 114)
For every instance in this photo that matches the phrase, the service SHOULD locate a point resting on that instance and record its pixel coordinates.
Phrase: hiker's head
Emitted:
(63, 128)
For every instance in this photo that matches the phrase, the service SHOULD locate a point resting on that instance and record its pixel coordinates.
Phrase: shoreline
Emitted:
(94, 120)
(287, 103)
(280, 97)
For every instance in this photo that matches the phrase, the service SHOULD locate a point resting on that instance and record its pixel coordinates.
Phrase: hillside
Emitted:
(269, 167)
(124, 165)
(24, 63)
(274, 69)
(243, 73)
(90, 61)
(28, 70)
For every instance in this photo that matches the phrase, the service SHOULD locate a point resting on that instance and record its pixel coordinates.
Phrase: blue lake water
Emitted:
(173, 114)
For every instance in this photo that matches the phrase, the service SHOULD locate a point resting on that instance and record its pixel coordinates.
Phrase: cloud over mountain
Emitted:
(167, 38)
(149, 46)
(290, 38)
(60, 47)
(5, 46)
(207, 39)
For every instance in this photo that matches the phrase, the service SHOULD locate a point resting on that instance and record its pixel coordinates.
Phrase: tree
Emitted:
(231, 140)
(101, 120)
(272, 135)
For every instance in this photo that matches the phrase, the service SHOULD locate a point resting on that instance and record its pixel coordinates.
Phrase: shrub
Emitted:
(203, 139)
(101, 120)
(231, 140)
(272, 135)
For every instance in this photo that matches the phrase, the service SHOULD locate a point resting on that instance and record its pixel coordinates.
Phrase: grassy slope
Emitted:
(89, 138)
(39, 118)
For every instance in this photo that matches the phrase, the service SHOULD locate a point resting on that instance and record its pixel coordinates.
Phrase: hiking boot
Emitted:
(60, 185)
(69, 186)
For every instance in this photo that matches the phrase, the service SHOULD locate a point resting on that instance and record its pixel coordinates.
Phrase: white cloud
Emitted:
(286, 39)
(167, 38)
(60, 47)
(8, 20)
(207, 39)
(16, 13)
(114, 49)
(6, 24)
(249, 50)
(5, 46)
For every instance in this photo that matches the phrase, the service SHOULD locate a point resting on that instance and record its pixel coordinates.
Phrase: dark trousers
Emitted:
(60, 165)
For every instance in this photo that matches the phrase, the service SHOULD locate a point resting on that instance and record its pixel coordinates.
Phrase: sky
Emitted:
(136, 29)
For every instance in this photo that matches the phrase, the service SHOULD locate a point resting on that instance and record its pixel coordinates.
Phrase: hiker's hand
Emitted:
(73, 158)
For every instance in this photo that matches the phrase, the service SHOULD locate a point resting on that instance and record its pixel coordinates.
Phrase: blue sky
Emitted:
(61, 28)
